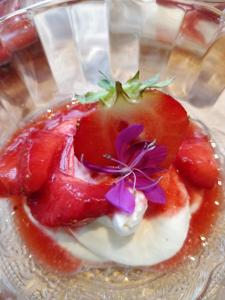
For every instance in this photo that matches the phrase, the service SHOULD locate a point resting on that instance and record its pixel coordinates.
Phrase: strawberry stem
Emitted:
(120, 91)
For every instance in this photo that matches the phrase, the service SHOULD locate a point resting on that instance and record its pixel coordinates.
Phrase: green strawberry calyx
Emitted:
(130, 91)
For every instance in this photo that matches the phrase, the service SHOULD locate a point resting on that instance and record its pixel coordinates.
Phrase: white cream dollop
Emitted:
(66, 239)
(154, 241)
(129, 239)
(126, 224)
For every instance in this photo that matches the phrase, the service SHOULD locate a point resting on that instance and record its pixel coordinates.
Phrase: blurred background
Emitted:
(7, 6)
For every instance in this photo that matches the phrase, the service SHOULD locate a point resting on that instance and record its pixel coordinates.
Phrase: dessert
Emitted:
(118, 176)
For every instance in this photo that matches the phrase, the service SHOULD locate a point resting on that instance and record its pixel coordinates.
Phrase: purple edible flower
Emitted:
(136, 162)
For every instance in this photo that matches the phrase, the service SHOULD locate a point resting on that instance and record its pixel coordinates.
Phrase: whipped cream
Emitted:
(155, 240)
(66, 239)
(124, 224)
(127, 239)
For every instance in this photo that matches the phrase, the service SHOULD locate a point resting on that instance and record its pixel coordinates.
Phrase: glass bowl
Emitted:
(53, 49)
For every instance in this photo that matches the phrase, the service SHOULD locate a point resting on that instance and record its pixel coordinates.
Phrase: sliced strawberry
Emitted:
(176, 194)
(164, 120)
(196, 132)
(196, 161)
(66, 200)
(36, 158)
(43, 148)
(66, 159)
(9, 174)
(25, 162)
(9, 164)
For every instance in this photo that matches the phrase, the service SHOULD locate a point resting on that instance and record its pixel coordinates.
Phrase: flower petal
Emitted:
(143, 183)
(146, 154)
(108, 169)
(155, 194)
(153, 170)
(152, 158)
(124, 138)
(134, 150)
(120, 196)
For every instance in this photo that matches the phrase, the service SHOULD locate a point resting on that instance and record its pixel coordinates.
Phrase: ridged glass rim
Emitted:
(45, 4)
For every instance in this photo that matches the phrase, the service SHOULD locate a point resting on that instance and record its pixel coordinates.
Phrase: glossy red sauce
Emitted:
(52, 255)
(41, 245)
(201, 225)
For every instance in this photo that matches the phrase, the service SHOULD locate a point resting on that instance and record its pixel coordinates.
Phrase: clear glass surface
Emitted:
(51, 50)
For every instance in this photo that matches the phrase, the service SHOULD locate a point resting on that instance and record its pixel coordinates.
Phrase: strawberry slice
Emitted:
(176, 195)
(42, 149)
(9, 161)
(164, 120)
(36, 158)
(66, 200)
(25, 163)
(195, 160)
(9, 174)
(26, 160)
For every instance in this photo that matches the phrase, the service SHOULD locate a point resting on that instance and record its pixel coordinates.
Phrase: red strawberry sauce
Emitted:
(40, 245)
(202, 224)
(53, 256)
(56, 258)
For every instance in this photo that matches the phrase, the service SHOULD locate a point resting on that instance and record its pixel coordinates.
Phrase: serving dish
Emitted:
(49, 58)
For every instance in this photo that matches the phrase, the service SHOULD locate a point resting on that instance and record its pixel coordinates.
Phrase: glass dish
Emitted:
(52, 49)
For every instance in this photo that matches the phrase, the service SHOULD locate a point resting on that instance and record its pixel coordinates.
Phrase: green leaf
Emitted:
(163, 83)
(134, 78)
(91, 97)
(133, 90)
(132, 86)
(109, 99)
(148, 83)
(130, 91)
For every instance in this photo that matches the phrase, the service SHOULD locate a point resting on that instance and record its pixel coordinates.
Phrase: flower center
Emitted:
(133, 168)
